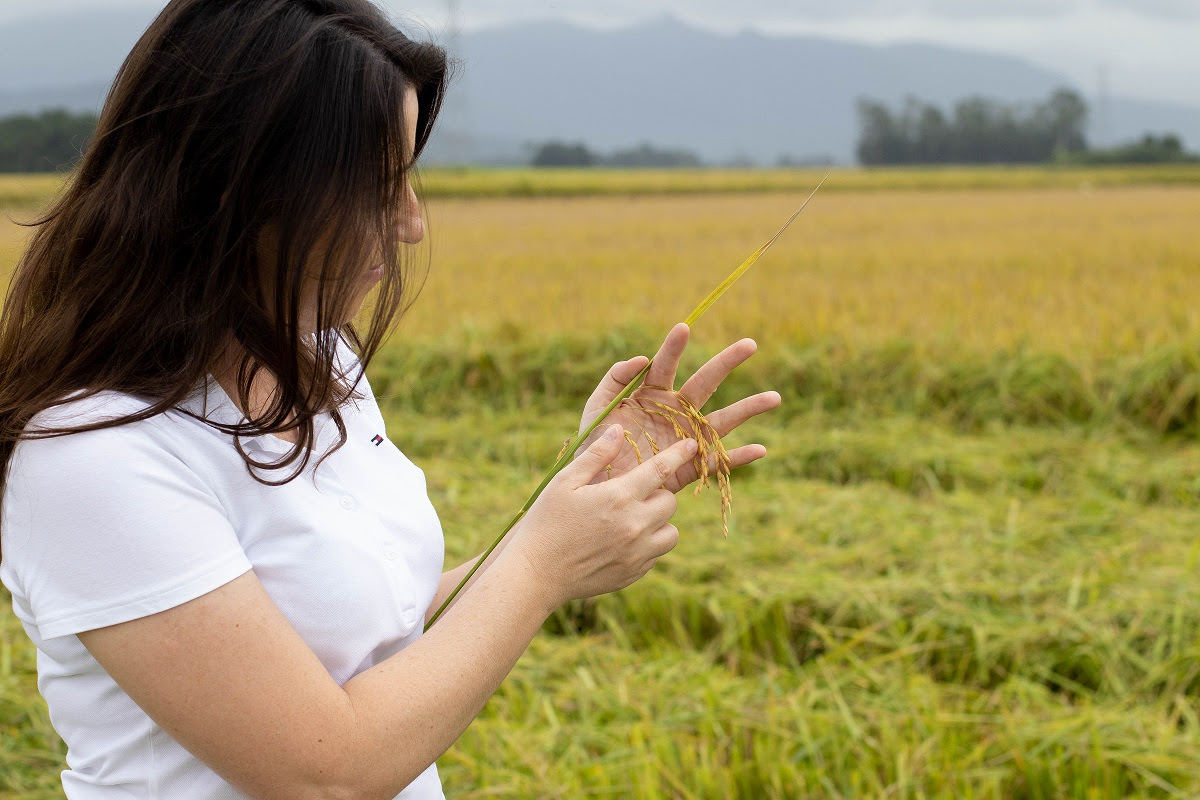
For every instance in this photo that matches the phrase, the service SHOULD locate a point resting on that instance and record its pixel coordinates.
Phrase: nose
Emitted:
(413, 231)
(412, 226)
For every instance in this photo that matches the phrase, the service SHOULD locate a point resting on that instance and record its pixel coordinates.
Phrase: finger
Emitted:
(738, 457)
(613, 383)
(645, 478)
(727, 419)
(741, 456)
(643, 571)
(666, 361)
(662, 541)
(592, 461)
(701, 386)
(663, 504)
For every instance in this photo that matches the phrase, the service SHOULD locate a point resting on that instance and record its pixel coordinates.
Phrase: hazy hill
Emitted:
(745, 95)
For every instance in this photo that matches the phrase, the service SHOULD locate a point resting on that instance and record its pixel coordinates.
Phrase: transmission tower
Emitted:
(1104, 133)
(458, 117)
(454, 22)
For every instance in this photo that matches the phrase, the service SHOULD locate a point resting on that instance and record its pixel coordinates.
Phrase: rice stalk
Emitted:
(698, 422)
(653, 444)
(708, 442)
(633, 443)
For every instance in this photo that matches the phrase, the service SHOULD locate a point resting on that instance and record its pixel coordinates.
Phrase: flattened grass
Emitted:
(864, 631)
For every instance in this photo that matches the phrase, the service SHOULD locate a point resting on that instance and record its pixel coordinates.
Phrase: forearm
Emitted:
(411, 707)
(450, 580)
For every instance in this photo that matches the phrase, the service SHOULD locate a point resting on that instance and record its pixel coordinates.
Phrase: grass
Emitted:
(966, 568)
(900, 610)
(1155, 391)
(24, 191)
(475, 182)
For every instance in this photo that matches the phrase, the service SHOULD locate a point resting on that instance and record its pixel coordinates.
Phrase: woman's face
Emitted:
(411, 230)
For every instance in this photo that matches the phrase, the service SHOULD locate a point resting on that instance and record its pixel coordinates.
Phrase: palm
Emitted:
(645, 417)
(642, 418)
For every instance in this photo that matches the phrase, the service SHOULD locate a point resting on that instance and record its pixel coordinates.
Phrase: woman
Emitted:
(224, 564)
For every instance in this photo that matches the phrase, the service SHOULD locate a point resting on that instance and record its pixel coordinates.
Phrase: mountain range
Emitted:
(747, 97)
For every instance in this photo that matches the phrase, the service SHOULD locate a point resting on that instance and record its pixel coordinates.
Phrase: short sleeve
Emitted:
(107, 526)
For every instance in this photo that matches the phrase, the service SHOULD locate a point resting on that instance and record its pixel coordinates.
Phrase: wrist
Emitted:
(540, 590)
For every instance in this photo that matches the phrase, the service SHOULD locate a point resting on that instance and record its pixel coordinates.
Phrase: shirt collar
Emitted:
(210, 403)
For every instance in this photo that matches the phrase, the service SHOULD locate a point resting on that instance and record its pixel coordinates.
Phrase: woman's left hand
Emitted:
(696, 390)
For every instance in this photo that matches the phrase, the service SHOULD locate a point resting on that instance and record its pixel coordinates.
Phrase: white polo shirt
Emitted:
(108, 526)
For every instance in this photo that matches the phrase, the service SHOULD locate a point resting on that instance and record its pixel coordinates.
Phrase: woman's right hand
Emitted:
(584, 540)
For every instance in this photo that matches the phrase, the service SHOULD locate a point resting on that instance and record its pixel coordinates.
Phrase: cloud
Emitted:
(1168, 9)
(945, 9)
(11, 10)
(797, 11)
(941, 9)
(755, 10)
(749, 11)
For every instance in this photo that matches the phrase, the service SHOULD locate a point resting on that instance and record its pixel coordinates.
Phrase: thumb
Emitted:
(625, 371)
(599, 454)
(615, 381)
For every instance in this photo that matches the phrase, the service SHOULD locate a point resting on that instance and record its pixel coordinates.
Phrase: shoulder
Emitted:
(48, 453)
(107, 477)
(102, 456)
(102, 526)
(77, 411)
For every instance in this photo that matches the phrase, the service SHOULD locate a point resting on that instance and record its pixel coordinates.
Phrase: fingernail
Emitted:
(612, 433)
(690, 446)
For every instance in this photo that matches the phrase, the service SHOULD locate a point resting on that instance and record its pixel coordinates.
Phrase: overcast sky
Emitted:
(1144, 48)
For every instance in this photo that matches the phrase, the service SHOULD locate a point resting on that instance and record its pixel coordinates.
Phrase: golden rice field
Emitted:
(967, 568)
(1081, 273)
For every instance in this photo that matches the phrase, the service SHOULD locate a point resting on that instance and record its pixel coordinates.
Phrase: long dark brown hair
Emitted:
(229, 118)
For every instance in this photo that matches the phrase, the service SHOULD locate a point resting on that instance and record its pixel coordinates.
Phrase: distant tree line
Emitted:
(983, 131)
(645, 155)
(46, 142)
(1150, 149)
(977, 131)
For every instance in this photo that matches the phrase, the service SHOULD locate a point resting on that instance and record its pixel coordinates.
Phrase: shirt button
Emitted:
(390, 553)
(347, 502)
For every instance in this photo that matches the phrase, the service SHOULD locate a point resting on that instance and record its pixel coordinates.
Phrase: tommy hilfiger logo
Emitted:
(378, 440)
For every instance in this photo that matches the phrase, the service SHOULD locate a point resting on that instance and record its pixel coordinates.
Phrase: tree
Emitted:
(979, 131)
(1068, 115)
(876, 144)
(560, 154)
(50, 141)
(934, 135)
(647, 155)
(1150, 149)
